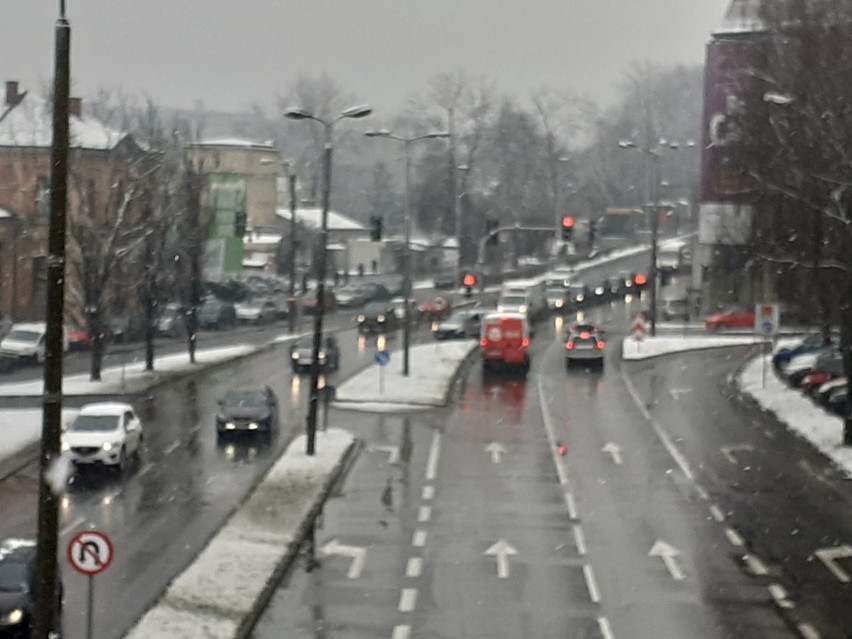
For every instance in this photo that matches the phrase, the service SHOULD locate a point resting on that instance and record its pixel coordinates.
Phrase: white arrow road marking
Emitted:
(669, 555)
(502, 549)
(728, 451)
(497, 451)
(677, 392)
(392, 451)
(613, 449)
(829, 556)
(356, 553)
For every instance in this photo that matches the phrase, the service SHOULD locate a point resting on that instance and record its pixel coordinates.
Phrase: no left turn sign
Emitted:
(90, 552)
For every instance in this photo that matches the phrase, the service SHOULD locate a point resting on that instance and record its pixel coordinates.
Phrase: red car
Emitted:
(437, 308)
(78, 338)
(735, 318)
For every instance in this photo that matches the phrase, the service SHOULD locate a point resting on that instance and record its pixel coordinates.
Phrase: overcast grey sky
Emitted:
(230, 53)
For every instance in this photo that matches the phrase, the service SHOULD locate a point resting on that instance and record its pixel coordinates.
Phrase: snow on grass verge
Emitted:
(664, 345)
(222, 590)
(800, 415)
(20, 428)
(432, 367)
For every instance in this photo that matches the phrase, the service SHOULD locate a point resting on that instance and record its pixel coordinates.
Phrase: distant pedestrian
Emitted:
(336, 278)
(360, 270)
(375, 266)
(387, 495)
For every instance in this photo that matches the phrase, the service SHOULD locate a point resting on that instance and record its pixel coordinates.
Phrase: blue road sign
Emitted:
(768, 327)
(382, 358)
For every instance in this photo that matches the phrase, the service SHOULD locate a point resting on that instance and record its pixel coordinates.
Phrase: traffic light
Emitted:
(640, 281)
(567, 228)
(469, 281)
(240, 219)
(491, 225)
(375, 228)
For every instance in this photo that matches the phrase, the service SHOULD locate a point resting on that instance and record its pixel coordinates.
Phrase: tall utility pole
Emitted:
(292, 307)
(47, 571)
(457, 226)
(407, 142)
(328, 126)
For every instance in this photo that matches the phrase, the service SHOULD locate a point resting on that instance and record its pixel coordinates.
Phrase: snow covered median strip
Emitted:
(801, 416)
(665, 345)
(432, 367)
(223, 591)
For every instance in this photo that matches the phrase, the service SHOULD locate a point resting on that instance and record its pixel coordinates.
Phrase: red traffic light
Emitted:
(640, 280)
(567, 222)
(469, 280)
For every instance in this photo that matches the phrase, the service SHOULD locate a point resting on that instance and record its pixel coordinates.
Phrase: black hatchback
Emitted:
(248, 411)
(17, 577)
(378, 317)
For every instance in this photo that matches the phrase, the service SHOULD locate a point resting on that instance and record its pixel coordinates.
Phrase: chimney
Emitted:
(75, 107)
(12, 97)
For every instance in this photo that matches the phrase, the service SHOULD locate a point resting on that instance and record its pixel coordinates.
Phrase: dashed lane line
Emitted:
(572, 505)
(418, 540)
(172, 448)
(591, 584)
(414, 567)
(428, 493)
(551, 436)
(755, 565)
(579, 540)
(717, 513)
(606, 630)
(79, 521)
(808, 631)
(401, 632)
(434, 453)
(734, 537)
(407, 599)
(424, 514)
(779, 596)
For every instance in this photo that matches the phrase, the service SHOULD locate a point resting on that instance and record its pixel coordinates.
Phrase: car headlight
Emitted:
(522, 308)
(230, 426)
(580, 298)
(599, 290)
(15, 617)
(107, 446)
(66, 447)
(294, 355)
(559, 303)
(361, 318)
(253, 426)
(381, 318)
(322, 354)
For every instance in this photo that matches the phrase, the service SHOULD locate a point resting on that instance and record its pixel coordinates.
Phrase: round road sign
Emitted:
(90, 552)
(767, 326)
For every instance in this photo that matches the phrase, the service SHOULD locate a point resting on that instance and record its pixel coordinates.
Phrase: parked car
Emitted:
(378, 317)
(584, 344)
(464, 323)
(216, 314)
(351, 296)
(78, 337)
(436, 308)
(808, 344)
(104, 434)
(26, 341)
(171, 321)
(257, 311)
(800, 366)
(17, 579)
(823, 392)
(445, 279)
(838, 401)
(302, 354)
(828, 364)
(309, 302)
(505, 341)
(248, 410)
(731, 318)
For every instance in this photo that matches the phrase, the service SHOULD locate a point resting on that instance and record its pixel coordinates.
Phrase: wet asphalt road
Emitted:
(484, 477)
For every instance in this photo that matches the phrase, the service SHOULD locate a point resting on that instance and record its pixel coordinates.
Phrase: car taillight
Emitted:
(483, 342)
(525, 342)
(569, 346)
(600, 346)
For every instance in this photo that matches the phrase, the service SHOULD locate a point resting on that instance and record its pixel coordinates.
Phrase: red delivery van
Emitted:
(504, 342)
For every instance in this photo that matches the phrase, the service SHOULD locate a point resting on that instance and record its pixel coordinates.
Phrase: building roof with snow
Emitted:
(741, 17)
(29, 124)
(235, 143)
(312, 218)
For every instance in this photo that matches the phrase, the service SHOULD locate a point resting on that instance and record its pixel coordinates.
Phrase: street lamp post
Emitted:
(328, 125)
(654, 204)
(407, 142)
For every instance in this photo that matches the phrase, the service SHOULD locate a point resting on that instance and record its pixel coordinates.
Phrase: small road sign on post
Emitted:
(90, 552)
(766, 322)
(382, 358)
(638, 328)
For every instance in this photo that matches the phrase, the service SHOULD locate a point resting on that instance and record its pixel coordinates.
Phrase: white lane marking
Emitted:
(392, 452)
(496, 450)
(591, 584)
(756, 566)
(717, 513)
(401, 632)
(357, 554)
(145, 469)
(669, 555)
(606, 630)
(414, 567)
(434, 452)
(172, 448)
(702, 494)
(551, 433)
(808, 631)
(419, 539)
(734, 537)
(779, 595)
(424, 513)
(428, 493)
(67, 528)
(502, 550)
(828, 556)
(613, 449)
(407, 599)
(673, 451)
(729, 451)
(579, 539)
(572, 505)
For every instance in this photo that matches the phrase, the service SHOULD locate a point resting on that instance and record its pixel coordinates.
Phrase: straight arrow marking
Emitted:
(357, 554)
(677, 392)
(613, 449)
(497, 451)
(669, 555)
(829, 556)
(502, 550)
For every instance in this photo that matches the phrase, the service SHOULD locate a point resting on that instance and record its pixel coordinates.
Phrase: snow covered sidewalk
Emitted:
(221, 594)
(801, 416)
(667, 344)
(432, 367)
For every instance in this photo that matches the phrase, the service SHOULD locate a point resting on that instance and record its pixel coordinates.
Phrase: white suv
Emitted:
(27, 341)
(103, 434)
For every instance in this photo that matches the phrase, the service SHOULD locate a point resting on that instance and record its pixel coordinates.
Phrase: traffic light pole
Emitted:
(292, 308)
(406, 282)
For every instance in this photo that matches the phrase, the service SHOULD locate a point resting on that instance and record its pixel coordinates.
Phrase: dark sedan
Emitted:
(302, 355)
(378, 317)
(248, 410)
(17, 578)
